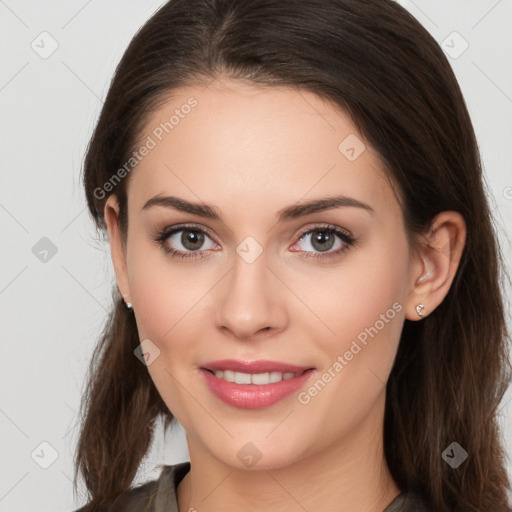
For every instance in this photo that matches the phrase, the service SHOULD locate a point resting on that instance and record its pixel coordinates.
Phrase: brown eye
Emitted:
(322, 240)
(184, 242)
(192, 240)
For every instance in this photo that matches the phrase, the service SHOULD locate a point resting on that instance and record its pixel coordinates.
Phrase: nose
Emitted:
(251, 302)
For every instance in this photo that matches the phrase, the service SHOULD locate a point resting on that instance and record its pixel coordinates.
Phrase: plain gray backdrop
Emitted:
(57, 60)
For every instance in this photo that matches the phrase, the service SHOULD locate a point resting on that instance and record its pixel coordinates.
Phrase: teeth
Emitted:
(242, 378)
(275, 377)
(256, 378)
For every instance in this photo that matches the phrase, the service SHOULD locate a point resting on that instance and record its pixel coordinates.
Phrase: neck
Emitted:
(350, 475)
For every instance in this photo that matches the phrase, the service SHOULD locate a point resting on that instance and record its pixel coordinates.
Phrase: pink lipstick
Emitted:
(253, 384)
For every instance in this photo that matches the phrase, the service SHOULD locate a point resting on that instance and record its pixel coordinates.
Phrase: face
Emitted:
(259, 278)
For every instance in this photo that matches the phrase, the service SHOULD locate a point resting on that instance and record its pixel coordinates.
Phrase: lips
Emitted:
(258, 384)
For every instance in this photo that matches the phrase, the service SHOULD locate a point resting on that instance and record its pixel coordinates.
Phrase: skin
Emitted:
(251, 151)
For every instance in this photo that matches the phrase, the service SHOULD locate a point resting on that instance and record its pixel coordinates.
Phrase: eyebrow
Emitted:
(286, 214)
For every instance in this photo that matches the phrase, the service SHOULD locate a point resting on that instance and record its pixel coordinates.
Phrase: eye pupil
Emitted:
(192, 239)
(322, 238)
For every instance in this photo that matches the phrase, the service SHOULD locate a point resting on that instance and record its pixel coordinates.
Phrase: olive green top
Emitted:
(160, 495)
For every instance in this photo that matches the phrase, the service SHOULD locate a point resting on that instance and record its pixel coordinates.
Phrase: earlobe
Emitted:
(437, 260)
(117, 249)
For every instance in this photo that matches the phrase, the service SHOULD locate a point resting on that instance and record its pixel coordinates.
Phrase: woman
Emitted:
(307, 272)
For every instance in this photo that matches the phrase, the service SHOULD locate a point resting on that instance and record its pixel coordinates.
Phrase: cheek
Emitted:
(164, 291)
(367, 320)
(363, 295)
(167, 306)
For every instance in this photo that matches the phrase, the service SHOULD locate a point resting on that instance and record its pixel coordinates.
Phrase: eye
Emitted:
(324, 241)
(185, 241)
(188, 242)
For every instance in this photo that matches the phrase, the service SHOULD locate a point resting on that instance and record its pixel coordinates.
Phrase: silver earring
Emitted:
(128, 304)
(419, 307)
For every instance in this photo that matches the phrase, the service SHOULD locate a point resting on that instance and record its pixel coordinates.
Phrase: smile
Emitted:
(254, 390)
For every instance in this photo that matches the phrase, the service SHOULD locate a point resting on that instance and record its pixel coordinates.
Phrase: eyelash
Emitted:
(162, 236)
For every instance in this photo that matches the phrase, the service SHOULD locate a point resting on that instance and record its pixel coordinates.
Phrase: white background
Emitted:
(51, 313)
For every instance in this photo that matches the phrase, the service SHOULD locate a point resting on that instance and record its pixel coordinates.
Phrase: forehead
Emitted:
(231, 140)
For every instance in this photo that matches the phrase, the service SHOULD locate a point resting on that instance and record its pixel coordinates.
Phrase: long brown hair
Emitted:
(378, 63)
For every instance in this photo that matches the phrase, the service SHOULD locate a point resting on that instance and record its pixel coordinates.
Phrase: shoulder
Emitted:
(408, 502)
(145, 497)
(138, 499)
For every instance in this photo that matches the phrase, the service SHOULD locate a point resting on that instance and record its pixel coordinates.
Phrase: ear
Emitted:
(117, 249)
(435, 264)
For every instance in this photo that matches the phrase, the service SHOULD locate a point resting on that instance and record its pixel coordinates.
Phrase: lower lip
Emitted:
(253, 396)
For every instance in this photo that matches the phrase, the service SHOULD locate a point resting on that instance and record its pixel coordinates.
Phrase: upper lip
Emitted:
(252, 367)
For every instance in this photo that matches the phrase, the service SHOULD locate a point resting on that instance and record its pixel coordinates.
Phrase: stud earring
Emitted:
(419, 307)
(128, 304)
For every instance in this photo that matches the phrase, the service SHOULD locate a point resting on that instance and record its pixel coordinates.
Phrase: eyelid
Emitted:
(188, 226)
(326, 226)
(308, 228)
